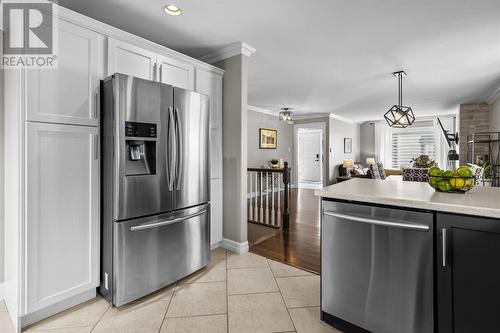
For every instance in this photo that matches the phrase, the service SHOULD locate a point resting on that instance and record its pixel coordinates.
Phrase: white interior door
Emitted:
(310, 159)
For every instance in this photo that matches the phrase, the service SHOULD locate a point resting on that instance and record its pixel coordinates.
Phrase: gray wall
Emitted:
(367, 141)
(259, 157)
(234, 141)
(495, 114)
(326, 121)
(338, 131)
(2, 242)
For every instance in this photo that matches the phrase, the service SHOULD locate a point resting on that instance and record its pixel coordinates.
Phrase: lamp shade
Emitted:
(348, 164)
(370, 161)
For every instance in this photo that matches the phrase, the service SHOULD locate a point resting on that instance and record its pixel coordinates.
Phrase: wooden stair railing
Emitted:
(268, 188)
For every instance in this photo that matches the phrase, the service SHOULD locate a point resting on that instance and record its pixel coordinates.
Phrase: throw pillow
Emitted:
(358, 170)
(377, 171)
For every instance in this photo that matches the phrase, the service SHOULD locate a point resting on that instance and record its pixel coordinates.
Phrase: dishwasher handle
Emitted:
(146, 226)
(367, 220)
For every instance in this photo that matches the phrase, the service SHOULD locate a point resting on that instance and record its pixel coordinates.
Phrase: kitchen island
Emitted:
(401, 257)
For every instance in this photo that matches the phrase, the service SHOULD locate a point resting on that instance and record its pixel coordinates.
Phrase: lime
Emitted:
(464, 172)
(448, 174)
(469, 183)
(435, 171)
(445, 186)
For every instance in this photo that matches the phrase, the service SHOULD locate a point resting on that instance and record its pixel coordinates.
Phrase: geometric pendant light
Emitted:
(400, 116)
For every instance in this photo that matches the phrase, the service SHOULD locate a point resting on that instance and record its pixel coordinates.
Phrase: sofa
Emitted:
(364, 172)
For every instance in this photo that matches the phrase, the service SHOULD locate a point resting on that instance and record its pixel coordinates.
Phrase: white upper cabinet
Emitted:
(68, 94)
(62, 212)
(130, 60)
(175, 72)
(211, 84)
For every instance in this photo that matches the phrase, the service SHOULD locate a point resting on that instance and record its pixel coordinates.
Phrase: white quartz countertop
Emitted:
(480, 201)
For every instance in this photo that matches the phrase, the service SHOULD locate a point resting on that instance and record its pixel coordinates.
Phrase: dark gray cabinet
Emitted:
(468, 274)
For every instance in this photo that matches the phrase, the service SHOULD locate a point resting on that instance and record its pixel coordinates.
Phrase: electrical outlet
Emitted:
(106, 281)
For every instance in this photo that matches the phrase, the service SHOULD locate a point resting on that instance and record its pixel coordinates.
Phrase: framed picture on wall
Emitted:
(268, 138)
(347, 145)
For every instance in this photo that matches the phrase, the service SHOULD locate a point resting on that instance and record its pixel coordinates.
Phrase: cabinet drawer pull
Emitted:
(444, 246)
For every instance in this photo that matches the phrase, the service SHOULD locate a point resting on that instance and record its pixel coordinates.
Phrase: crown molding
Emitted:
(262, 110)
(228, 52)
(344, 119)
(310, 116)
(495, 95)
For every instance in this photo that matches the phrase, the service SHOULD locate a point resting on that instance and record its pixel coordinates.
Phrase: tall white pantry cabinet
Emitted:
(52, 160)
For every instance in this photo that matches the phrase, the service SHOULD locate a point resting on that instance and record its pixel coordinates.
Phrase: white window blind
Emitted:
(412, 143)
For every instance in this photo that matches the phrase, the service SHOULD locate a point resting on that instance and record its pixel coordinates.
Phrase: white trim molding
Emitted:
(344, 119)
(2, 297)
(57, 307)
(262, 110)
(231, 245)
(310, 116)
(495, 95)
(228, 52)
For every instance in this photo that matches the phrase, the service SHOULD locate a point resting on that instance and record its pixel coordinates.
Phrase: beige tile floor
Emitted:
(235, 293)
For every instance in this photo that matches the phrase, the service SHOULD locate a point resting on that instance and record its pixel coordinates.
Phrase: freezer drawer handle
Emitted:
(146, 226)
(419, 227)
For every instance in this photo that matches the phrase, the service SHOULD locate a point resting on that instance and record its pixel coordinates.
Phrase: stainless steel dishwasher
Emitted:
(376, 268)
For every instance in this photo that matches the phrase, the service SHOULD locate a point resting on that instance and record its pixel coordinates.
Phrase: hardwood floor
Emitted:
(300, 245)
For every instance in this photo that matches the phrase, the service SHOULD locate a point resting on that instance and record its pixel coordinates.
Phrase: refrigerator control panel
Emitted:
(141, 130)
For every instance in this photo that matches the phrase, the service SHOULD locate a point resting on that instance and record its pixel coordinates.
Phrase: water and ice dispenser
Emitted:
(140, 148)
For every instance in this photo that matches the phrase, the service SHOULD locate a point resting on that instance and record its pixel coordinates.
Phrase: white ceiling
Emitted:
(322, 56)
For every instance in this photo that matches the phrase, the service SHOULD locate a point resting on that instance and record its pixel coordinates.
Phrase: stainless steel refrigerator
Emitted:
(155, 186)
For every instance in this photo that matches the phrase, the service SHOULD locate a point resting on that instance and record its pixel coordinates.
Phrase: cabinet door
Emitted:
(68, 94)
(130, 60)
(211, 84)
(176, 73)
(62, 213)
(468, 272)
(215, 153)
(216, 212)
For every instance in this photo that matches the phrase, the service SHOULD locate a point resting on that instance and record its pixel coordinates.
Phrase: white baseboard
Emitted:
(58, 307)
(214, 246)
(233, 246)
(2, 297)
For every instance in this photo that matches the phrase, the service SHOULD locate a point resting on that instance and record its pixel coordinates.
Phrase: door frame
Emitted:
(296, 127)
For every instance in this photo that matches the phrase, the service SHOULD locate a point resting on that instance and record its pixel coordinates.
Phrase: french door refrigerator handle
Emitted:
(171, 161)
(392, 224)
(179, 150)
(443, 235)
(146, 226)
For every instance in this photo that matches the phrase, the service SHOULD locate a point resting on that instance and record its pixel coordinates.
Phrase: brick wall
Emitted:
(473, 118)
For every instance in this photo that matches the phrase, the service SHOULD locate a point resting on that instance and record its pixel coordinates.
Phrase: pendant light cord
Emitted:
(400, 86)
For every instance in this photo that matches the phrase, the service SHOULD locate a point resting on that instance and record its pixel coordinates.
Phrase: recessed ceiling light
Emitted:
(173, 9)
